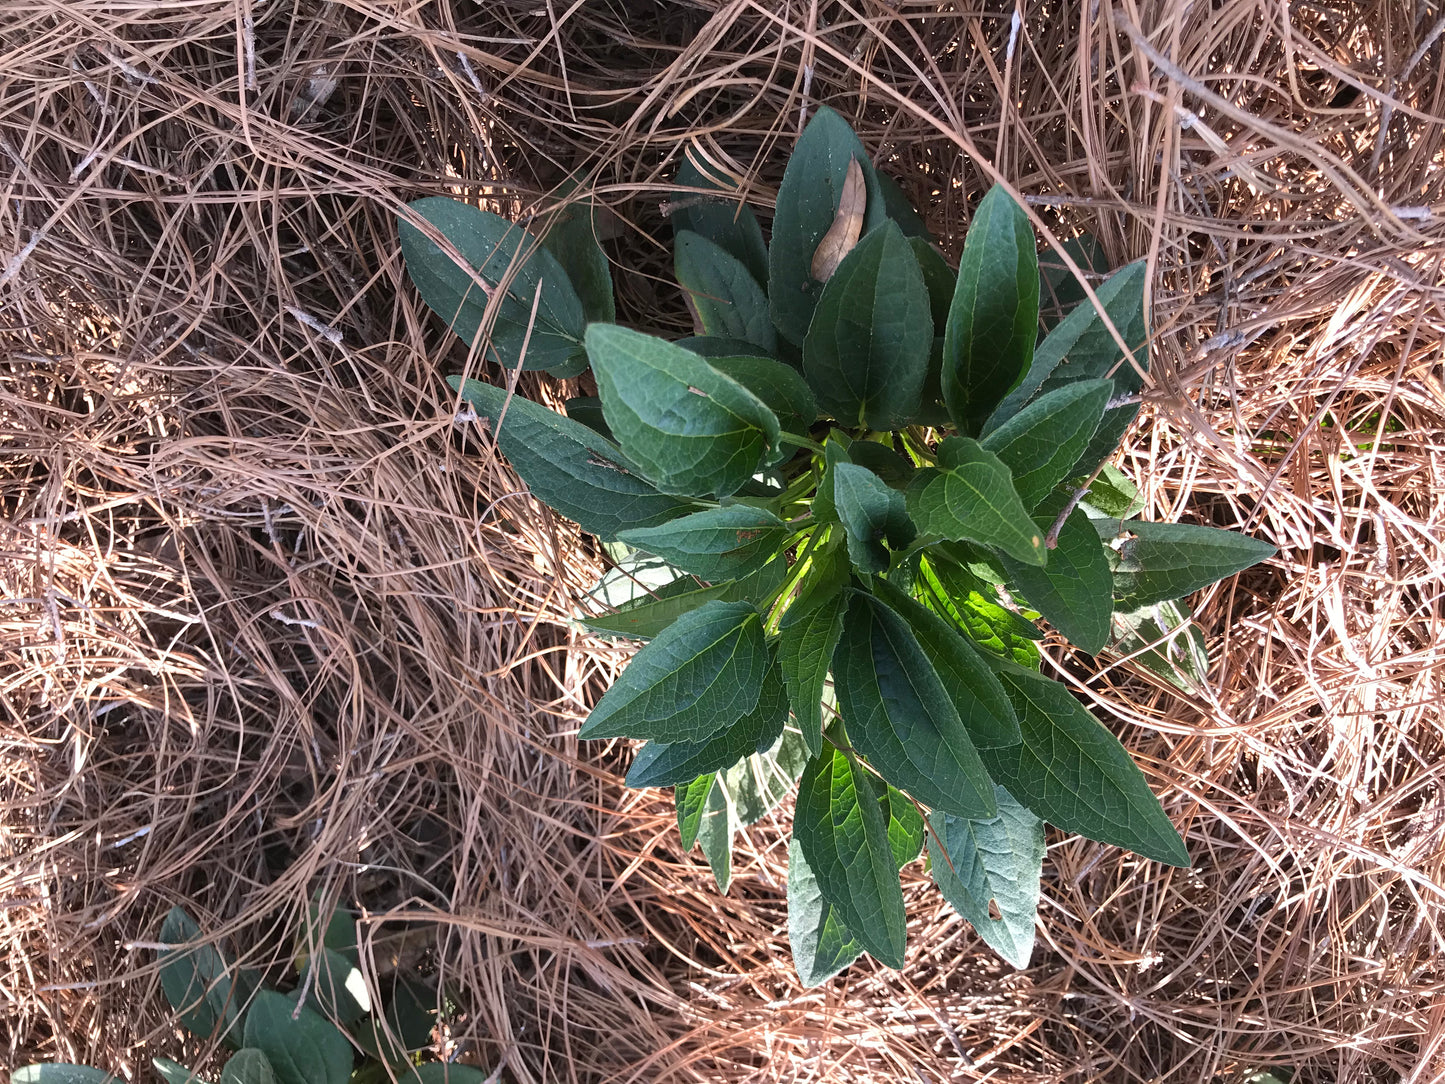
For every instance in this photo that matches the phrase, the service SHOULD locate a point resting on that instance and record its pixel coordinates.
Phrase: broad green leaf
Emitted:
(821, 944)
(835, 451)
(1162, 638)
(807, 637)
(843, 837)
(574, 470)
(1112, 494)
(60, 1073)
(882, 461)
(971, 496)
(198, 981)
(900, 716)
(587, 410)
(338, 986)
(1041, 443)
(1059, 290)
(570, 235)
(699, 675)
(866, 352)
(173, 1072)
(659, 764)
(648, 614)
(248, 1066)
(1073, 773)
(953, 592)
(444, 1072)
(807, 203)
(716, 544)
(689, 428)
(1074, 591)
(997, 861)
(691, 802)
(940, 280)
(874, 516)
(975, 690)
(715, 833)
(988, 344)
(780, 386)
(336, 926)
(711, 347)
(1157, 562)
(905, 825)
(492, 247)
(898, 207)
(302, 1046)
(724, 219)
(727, 299)
(1081, 348)
(758, 783)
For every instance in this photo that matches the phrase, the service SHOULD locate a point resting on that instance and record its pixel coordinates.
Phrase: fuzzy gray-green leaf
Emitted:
(302, 1046)
(822, 945)
(1157, 562)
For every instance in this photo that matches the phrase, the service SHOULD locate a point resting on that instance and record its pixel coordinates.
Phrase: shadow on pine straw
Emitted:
(273, 622)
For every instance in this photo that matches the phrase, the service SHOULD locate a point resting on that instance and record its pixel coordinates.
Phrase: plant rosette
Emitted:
(837, 511)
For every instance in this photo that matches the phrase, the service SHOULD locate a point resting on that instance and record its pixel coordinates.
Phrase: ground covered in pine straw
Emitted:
(272, 622)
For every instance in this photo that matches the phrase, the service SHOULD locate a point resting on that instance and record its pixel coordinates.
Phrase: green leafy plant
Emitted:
(837, 511)
(290, 1038)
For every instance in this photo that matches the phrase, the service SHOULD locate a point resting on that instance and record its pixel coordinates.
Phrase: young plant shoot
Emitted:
(838, 510)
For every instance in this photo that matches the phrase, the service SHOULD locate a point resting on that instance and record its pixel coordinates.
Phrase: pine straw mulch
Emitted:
(273, 622)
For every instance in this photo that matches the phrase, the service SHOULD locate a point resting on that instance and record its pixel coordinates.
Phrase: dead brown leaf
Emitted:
(847, 225)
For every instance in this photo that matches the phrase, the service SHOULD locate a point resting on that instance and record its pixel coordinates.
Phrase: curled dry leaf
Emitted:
(847, 225)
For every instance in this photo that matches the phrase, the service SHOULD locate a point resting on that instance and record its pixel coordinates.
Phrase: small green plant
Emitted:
(291, 1038)
(836, 511)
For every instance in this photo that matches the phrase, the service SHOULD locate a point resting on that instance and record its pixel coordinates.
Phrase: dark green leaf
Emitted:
(570, 235)
(249, 1066)
(492, 247)
(701, 674)
(866, 351)
(953, 592)
(60, 1073)
(338, 933)
(882, 461)
(716, 544)
(1060, 290)
(198, 981)
(900, 716)
(659, 764)
(971, 496)
(409, 1018)
(1163, 639)
(1041, 443)
(821, 944)
(897, 206)
(779, 386)
(689, 428)
(874, 516)
(338, 986)
(587, 410)
(1074, 773)
(807, 203)
(1158, 562)
(1081, 348)
(301, 1045)
(1112, 494)
(576, 471)
(905, 825)
(939, 279)
(724, 219)
(998, 861)
(843, 837)
(974, 689)
(691, 802)
(988, 344)
(173, 1072)
(727, 300)
(805, 651)
(1075, 589)
(711, 346)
